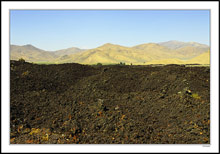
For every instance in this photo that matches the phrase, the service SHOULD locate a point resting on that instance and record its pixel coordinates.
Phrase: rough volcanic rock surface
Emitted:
(73, 103)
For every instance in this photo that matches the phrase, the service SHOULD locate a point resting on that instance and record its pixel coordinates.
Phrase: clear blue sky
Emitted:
(58, 29)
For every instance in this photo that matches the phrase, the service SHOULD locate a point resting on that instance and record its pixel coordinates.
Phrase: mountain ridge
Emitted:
(109, 53)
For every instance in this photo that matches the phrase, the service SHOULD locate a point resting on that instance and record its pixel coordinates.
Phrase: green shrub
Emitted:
(122, 63)
(99, 64)
(21, 60)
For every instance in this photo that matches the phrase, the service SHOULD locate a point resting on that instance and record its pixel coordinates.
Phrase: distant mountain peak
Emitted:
(178, 44)
(152, 44)
(28, 45)
(67, 51)
(171, 41)
(142, 46)
(109, 45)
(71, 48)
(31, 47)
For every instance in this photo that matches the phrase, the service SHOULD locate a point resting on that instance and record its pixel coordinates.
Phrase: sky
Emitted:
(59, 29)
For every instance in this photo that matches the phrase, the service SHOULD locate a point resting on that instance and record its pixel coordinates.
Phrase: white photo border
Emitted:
(165, 5)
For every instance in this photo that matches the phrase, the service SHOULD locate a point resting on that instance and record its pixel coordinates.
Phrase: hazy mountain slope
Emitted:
(30, 53)
(67, 51)
(157, 51)
(178, 44)
(204, 58)
(189, 52)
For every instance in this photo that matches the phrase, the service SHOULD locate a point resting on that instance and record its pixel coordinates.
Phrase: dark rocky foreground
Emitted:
(73, 103)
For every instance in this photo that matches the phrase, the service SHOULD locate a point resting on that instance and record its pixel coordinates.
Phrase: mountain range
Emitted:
(171, 52)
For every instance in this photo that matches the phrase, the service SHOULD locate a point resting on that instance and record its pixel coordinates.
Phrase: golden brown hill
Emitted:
(110, 54)
(30, 54)
(166, 61)
(204, 58)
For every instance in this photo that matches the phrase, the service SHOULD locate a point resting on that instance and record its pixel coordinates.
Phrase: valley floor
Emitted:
(82, 104)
